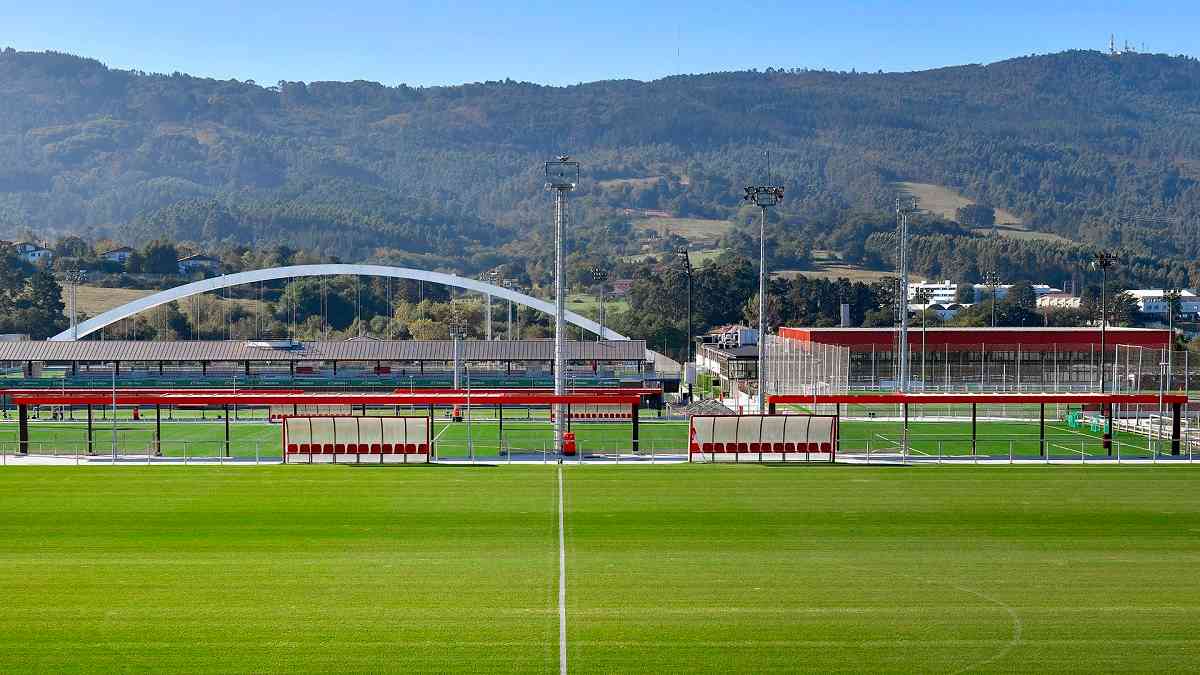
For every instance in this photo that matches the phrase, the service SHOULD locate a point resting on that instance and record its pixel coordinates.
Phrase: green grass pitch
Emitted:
(669, 569)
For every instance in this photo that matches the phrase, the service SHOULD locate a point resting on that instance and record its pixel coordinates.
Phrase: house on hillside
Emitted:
(118, 255)
(199, 263)
(34, 253)
(619, 288)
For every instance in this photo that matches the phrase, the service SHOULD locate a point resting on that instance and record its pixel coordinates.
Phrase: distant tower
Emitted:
(1112, 44)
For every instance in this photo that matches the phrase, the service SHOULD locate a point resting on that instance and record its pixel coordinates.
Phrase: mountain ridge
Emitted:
(1078, 143)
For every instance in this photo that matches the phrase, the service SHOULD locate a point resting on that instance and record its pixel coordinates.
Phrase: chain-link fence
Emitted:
(795, 367)
(1024, 368)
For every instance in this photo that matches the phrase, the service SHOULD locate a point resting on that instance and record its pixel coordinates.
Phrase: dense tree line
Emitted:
(30, 299)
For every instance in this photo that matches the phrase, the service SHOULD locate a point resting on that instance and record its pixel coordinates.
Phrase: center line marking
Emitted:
(562, 582)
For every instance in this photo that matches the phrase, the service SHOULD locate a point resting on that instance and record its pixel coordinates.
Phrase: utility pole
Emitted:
(562, 175)
(1103, 261)
(764, 197)
(992, 279)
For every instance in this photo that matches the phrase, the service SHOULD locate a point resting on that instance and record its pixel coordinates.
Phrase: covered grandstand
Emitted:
(353, 365)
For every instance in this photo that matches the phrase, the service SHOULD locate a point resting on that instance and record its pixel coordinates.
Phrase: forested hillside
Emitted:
(1104, 150)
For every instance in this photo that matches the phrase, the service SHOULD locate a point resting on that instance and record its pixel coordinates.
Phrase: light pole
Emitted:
(510, 284)
(992, 279)
(1103, 261)
(562, 175)
(599, 278)
(764, 197)
(922, 298)
(74, 278)
(1172, 296)
(458, 333)
(686, 260)
(491, 277)
(905, 208)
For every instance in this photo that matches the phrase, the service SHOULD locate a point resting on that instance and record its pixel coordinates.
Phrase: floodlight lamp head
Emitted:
(764, 195)
(906, 204)
(562, 174)
(1104, 260)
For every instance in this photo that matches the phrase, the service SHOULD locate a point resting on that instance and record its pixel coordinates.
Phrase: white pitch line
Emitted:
(562, 582)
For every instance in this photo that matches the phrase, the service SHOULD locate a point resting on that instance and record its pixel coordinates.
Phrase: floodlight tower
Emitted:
(764, 197)
(458, 333)
(922, 296)
(1103, 261)
(562, 175)
(1172, 296)
(599, 278)
(905, 207)
(686, 261)
(74, 278)
(490, 276)
(510, 284)
(992, 280)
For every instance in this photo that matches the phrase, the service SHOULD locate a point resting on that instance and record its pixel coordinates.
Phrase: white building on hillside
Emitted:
(983, 290)
(1152, 301)
(943, 293)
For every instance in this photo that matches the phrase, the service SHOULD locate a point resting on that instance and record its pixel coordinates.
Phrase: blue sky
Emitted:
(565, 42)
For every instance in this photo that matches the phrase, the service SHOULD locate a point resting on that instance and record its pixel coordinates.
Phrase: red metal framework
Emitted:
(22, 399)
(1105, 401)
(898, 398)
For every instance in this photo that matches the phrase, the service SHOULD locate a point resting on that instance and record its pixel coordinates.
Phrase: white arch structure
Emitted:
(296, 271)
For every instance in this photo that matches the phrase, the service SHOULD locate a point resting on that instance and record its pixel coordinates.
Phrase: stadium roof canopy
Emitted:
(95, 351)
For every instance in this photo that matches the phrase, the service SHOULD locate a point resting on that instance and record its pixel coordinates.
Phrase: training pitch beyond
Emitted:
(663, 569)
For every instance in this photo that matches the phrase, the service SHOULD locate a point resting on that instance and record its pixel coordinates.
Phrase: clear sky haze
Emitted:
(569, 42)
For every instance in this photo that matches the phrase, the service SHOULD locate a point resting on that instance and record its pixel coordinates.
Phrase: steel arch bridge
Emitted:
(296, 271)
